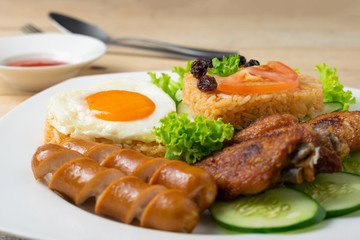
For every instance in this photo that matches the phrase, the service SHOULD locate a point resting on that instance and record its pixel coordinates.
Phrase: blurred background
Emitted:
(299, 33)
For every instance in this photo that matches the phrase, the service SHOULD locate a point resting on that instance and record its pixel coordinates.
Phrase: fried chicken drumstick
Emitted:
(344, 125)
(276, 149)
(253, 166)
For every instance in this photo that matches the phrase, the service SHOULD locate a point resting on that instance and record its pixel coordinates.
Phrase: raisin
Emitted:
(242, 60)
(199, 67)
(206, 83)
(210, 63)
(252, 62)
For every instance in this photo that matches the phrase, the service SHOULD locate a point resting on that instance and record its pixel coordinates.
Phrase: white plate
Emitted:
(29, 209)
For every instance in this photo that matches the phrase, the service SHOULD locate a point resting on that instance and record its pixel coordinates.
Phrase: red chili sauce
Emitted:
(36, 63)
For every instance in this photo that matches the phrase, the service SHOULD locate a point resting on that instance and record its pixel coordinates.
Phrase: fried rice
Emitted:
(152, 149)
(241, 110)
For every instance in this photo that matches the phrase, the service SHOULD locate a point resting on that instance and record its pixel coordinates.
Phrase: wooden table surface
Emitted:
(300, 33)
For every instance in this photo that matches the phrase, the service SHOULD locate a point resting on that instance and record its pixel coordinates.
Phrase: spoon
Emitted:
(72, 25)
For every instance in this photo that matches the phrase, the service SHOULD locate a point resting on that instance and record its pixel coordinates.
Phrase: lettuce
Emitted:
(332, 88)
(181, 71)
(189, 141)
(226, 67)
(168, 85)
(296, 70)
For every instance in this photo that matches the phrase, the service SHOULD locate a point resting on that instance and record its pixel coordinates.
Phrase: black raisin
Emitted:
(252, 62)
(242, 60)
(210, 63)
(206, 83)
(199, 67)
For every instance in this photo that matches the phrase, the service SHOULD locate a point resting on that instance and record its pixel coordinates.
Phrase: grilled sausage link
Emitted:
(126, 198)
(195, 182)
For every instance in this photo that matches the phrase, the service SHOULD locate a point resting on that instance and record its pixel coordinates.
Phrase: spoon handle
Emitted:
(169, 48)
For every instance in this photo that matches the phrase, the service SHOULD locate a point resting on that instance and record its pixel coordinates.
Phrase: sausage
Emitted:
(147, 170)
(56, 154)
(195, 182)
(169, 205)
(127, 160)
(123, 197)
(101, 152)
(82, 178)
(79, 145)
(43, 152)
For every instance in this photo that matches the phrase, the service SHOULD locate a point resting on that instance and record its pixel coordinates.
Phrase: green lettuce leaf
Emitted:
(168, 85)
(181, 71)
(332, 88)
(226, 67)
(189, 141)
(296, 70)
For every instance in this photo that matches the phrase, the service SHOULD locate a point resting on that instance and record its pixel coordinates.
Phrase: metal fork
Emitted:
(30, 28)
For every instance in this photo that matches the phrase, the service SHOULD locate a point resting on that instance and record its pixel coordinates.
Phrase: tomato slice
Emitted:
(277, 77)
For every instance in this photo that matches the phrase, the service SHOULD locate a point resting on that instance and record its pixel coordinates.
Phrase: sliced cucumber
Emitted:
(275, 210)
(338, 193)
(184, 108)
(351, 163)
(179, 95)
(330, 107)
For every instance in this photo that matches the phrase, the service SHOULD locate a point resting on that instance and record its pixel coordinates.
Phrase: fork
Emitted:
(30, 28)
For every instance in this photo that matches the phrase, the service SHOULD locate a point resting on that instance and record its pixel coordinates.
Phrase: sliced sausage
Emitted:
(101, 152)
(180, 212)
(126, 198)
(82, 178)
(193, 181)
(126, 160)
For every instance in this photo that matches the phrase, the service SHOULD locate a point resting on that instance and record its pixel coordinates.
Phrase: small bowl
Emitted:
(77, 51)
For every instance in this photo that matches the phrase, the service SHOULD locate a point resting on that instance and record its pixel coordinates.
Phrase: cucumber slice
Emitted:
(338, 193)
(184, 108)
(179, 95)
(330, 107)
(275, 210)
(351, 163)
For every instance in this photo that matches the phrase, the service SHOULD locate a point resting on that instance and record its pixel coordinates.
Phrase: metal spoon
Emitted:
(72, 25)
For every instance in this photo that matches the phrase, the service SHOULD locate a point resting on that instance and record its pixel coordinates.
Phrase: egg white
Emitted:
(69, 114)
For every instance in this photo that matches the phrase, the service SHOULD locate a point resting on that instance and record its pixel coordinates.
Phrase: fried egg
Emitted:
(119, 110)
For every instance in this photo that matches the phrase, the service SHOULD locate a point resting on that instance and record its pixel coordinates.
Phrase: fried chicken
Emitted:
(339, 131)
(344, 125)
(264, 125)
(277, 149)
(253, 166)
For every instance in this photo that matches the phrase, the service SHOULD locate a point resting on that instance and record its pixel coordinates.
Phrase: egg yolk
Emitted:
(120, 105)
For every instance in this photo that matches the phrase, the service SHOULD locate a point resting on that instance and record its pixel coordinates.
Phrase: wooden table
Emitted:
(298, 33)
